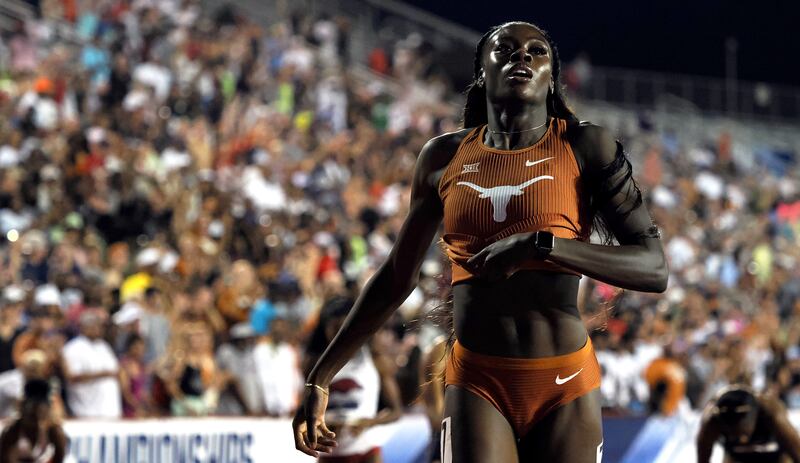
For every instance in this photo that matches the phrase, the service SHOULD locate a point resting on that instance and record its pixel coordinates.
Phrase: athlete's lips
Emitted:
(520, 72)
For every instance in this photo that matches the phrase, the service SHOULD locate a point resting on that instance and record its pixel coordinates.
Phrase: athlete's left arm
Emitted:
(785, 433)
(638, 263)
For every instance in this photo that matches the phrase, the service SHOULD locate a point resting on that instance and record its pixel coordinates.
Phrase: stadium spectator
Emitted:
(192, 380)
(155, 324)
(11, 324)
(12, 382)
(35, 336)
(134, 378)
(666, 378)
(92, 372)
(243, 394)
(278, 368)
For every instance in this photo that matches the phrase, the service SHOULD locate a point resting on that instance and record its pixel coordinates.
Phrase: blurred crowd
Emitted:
(181, 190)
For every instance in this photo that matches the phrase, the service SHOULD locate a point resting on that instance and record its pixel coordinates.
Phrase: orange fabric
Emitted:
(669, 372)
(490, 194)
(43, 85)
(524, 390)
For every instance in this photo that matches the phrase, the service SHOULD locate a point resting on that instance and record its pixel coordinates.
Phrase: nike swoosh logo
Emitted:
(533, 163)
(560, 381)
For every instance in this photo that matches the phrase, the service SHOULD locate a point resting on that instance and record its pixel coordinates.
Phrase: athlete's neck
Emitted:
(509, 127)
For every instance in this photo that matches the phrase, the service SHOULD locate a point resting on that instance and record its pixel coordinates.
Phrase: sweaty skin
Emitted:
(529, 314)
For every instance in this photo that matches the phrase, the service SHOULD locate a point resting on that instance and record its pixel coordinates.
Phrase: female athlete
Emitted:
(751, 428)
(518, 191)
(35, 436)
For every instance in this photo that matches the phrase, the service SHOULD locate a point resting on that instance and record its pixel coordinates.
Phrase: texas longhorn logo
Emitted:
(501, 195)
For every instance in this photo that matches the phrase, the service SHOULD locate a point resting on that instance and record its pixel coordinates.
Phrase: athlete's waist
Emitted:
(524, 291)
(530, 315)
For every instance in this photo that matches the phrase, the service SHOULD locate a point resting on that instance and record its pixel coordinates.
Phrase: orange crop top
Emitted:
(490, 194)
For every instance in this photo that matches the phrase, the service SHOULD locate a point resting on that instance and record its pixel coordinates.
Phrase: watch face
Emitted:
(545, 240)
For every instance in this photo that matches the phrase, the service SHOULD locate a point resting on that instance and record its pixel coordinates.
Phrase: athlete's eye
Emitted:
(538, 50)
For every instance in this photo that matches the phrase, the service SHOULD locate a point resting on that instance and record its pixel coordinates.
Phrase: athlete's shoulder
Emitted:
(594, 145)
(770, 404)
(439, 150)
(446, 143)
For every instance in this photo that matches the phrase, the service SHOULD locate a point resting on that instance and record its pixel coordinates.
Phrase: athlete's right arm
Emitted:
(386, 290)
(785, 433)
(708, 435)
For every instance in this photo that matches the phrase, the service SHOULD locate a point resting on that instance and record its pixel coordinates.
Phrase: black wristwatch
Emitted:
(543, 242)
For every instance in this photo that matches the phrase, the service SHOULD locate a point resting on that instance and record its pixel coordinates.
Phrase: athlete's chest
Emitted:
(486, 191)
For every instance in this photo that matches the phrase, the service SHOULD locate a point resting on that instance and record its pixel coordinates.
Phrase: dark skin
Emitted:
(35, 419)
(713, 427)
(533, 314)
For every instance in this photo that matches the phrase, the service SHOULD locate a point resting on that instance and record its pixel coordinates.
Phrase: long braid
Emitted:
(475, 107)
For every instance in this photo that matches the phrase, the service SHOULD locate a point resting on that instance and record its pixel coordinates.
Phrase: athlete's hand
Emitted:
(311, 435)
(504, 257)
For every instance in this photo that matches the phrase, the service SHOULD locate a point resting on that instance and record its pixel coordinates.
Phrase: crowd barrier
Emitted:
(257, 440)
(221, 440)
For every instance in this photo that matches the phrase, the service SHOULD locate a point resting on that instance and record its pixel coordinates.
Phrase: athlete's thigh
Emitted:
(473, 431)
(573, 433)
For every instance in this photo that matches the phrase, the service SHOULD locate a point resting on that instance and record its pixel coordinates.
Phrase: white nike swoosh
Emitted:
(533, 163)
(560, 381)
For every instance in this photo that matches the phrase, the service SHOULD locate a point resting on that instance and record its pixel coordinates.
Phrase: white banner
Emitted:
(220, 440)
(198, 440)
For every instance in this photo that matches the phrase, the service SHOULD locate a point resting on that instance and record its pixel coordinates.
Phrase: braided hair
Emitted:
(475, 109)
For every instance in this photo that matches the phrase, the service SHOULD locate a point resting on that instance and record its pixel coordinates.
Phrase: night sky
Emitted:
(679, 36)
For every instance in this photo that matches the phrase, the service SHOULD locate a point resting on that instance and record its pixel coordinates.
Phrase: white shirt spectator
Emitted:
(156, 76)
(265, 194)
(681, 253)
(299, 56)
(45, 114)
(241, 364)
(99, 398)
(12, 384)
(15, 220)
(709, 185)
(279, 370)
